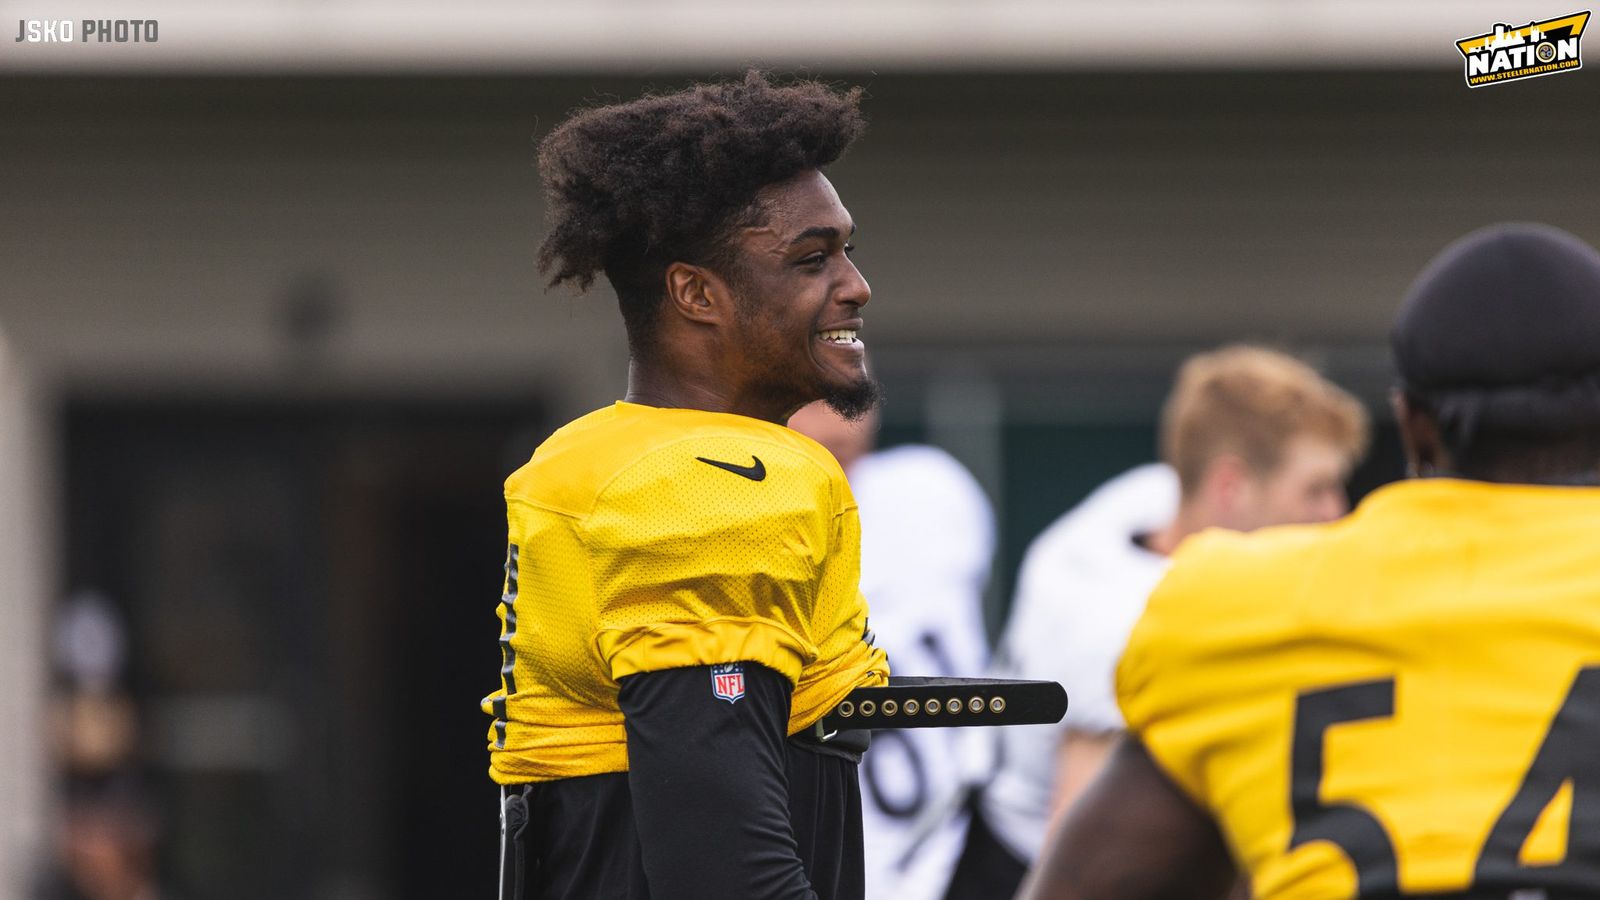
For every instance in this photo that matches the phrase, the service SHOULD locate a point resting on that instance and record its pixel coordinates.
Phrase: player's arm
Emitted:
(1133, 835)
(1079, 758)
(709, 785)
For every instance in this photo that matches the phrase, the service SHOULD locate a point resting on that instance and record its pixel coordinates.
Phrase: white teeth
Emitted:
(840, 336)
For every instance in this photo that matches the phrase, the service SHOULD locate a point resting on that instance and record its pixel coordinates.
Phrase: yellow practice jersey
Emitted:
(644, 538)
(1407, 700)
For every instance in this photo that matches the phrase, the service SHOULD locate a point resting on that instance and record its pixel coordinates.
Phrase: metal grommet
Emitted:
(997, 705)
(890, 707)
(913, 707)
(932, 705)
(846, 709)
(953, 705)
(868, 707)
(975, 705)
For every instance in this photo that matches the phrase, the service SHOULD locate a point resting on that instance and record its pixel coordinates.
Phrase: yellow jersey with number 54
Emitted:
(1405, 701)
(644, 539)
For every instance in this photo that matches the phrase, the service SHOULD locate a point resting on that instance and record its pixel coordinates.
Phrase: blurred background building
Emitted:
(273, 337)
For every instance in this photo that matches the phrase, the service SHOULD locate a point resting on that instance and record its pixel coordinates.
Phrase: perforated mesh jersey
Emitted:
(1404, 702)
(644, 539)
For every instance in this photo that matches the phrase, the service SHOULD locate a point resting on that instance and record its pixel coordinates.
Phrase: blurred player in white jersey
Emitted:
(1251, 438)
(927, 539)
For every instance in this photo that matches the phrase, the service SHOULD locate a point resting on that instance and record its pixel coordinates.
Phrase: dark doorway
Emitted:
(309, 594)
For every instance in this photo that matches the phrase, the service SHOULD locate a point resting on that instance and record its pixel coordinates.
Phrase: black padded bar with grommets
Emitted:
(942, 702)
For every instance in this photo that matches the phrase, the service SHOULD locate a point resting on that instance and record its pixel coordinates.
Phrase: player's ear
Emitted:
(698, 294)
(1419, 435)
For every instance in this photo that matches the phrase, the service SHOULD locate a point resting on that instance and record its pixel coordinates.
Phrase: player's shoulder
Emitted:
(912, 461)
(1140, 500)
(1218, 569)
(672, 455)
(1226, 598)
(919, 482)
(1275, 551)
(1226, 588)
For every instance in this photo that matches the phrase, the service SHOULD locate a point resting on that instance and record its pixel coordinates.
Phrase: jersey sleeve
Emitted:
(697, 564)
(708, 784)
(1167, 681)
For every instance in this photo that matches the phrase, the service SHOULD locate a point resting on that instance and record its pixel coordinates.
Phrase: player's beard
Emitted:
(854, 400)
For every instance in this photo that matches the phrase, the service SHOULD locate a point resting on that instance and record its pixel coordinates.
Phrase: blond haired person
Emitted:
(1250, 437)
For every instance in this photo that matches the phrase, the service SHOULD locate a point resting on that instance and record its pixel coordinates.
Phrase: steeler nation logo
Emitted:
(727, 681)
(1537, 48)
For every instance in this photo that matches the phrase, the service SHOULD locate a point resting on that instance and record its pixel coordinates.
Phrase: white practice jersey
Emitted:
(1083, 585)
(927, 539)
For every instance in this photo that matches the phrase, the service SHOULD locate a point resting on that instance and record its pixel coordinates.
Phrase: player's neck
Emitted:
(670, 387)
(1189, 520)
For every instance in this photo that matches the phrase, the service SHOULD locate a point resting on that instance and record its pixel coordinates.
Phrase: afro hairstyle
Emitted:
(634, 187)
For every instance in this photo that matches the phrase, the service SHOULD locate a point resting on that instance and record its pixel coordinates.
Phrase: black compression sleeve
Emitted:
(709, 785)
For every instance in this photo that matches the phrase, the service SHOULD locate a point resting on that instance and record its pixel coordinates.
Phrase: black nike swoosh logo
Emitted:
(754, 473)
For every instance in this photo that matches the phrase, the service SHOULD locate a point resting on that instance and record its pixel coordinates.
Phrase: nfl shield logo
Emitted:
(727, 681)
